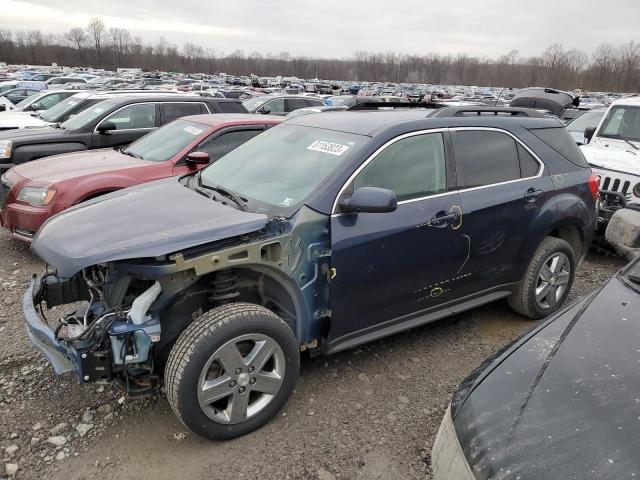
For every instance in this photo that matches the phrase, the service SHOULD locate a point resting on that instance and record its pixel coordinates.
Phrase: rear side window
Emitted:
(231, 107)
(485, 158)
(220, 146)
(294, 104)
(171, 111)
(412, 167)
(314, 103)
(559, 139)
(529, 166)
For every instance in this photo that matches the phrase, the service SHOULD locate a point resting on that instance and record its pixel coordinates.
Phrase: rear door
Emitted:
(170, 111)
(389, 267)
(131, 121)
(291, 104)
(503, 192)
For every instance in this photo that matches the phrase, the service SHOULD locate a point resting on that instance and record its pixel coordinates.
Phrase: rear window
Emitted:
(232, 107)
(559, 139)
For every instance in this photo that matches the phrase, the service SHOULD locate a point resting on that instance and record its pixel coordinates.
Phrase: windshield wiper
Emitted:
(226, 193)
(624, 139)
(126, 152)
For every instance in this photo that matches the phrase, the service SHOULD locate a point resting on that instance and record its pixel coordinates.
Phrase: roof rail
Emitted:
(496, 111)
(386, 105)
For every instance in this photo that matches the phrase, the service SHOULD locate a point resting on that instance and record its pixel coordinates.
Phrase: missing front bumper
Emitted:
(41, 336)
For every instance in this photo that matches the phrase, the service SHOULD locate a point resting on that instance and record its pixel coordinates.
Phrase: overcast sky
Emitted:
(337, 28)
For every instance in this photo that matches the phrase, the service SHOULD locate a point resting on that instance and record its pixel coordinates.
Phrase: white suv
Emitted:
(614, 149)
(614, 154)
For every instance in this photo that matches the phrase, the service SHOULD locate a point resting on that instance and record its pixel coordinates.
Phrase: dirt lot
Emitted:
(363, 414)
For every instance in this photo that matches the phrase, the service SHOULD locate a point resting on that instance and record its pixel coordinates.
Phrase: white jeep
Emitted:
(613, 152)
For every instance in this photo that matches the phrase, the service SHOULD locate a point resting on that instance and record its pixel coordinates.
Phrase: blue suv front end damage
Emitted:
(137, 307)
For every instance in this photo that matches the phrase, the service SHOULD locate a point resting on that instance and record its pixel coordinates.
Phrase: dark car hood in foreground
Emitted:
(566, 403)
(147, 220)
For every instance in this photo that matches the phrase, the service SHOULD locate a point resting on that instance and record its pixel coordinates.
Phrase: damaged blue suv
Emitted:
(324, 232)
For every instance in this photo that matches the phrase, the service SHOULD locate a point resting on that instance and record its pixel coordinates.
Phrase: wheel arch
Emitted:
(258, 284)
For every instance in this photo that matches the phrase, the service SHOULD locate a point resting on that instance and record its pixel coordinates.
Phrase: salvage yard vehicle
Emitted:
(560, 402)
(32, 192)
(39, 102)
(613, 152)
(587, 119)
(323, 233)
(280, 104)
(64, 110)
(551, 100)
(116, 121)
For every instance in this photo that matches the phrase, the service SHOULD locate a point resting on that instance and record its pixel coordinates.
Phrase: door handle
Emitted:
(442, 218)
(531, 195)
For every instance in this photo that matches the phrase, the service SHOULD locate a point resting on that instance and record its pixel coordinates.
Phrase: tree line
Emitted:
(610, 67)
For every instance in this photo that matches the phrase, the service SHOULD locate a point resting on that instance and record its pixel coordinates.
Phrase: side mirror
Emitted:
(106, 127)
(34, 107)
(589, 132)
(370, 200)
(198, 158)
(265, 110)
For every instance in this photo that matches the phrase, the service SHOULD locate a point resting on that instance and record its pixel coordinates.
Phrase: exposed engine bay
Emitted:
(113, 335)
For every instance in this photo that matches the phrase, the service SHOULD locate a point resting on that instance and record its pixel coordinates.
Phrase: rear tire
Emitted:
(547, 281)
(231, 370)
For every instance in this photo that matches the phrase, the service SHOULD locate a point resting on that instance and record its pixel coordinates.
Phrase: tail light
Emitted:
(594, 185)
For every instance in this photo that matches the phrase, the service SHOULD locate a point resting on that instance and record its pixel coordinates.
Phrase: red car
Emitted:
(32, 192)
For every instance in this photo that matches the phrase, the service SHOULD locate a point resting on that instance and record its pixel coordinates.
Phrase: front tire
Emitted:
(231, 370)
(547, 281)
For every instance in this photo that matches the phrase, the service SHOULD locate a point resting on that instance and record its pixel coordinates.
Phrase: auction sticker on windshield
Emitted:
(192, 130)
(328, 147)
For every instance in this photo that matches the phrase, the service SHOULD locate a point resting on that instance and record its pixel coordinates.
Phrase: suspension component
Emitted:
(225, 287)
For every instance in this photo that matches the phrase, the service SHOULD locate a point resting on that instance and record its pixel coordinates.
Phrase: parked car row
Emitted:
(211, 247)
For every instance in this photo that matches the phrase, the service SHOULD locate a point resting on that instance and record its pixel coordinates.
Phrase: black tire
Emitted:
(523, 300)
(195, 347)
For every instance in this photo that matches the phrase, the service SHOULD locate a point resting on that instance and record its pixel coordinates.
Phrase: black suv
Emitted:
(322, 233)
(114, 121)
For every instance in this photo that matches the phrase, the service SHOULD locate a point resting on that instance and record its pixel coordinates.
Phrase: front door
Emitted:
(388, 267)
(131, 122)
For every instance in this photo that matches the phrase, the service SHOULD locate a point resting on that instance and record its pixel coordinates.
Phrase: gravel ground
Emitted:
(364, 414)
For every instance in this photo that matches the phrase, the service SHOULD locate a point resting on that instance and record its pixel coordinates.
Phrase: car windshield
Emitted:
(586, 120)
(282, 166)
(55, 113)
(253, 103)
(87, 116)
(622, 121)
(166, 142)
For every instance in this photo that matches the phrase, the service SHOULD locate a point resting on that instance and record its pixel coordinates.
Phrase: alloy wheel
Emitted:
(241, 378)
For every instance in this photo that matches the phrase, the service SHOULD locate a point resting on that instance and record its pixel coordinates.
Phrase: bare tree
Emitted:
(77, 38)
(96, 31)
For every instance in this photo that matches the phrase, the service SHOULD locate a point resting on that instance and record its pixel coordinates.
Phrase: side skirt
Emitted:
(407, 322)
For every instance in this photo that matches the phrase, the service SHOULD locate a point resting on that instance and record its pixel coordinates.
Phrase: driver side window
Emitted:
(141, 115)
(412, 167)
